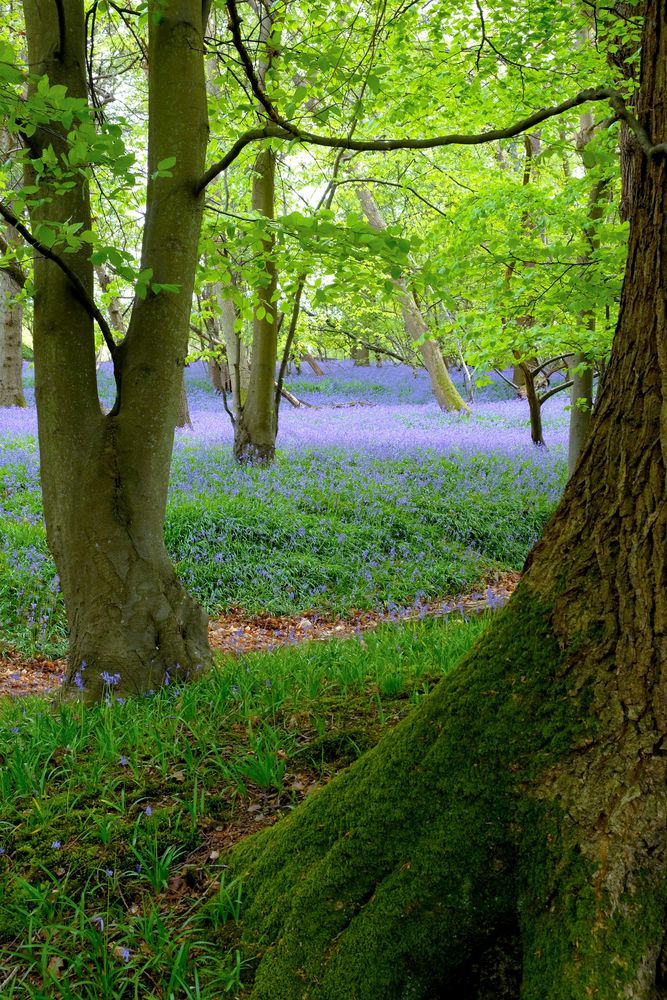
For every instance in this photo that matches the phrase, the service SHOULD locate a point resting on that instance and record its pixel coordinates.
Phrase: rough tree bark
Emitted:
(526, 799)
(104, 477)
(444, 390)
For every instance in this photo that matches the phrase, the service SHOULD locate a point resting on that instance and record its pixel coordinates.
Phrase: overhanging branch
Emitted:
(279, 131)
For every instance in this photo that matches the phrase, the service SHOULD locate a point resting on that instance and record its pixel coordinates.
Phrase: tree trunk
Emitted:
(361, 357)
(524, 801)
(581, 413)
(534, 405)
(104, 477)
(255, 428)
(11, 354)
(444, 390)
(582, 371)
(317, 368)
(183, 416)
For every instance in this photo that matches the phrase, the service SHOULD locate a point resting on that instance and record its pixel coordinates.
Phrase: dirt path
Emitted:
(238, 633)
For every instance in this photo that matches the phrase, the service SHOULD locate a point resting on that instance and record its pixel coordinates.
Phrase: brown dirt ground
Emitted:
(238, 633)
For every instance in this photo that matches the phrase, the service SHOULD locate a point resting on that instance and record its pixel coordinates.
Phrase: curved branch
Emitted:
(79, 288)
(279, 131)
(16, 273)
(249, 69)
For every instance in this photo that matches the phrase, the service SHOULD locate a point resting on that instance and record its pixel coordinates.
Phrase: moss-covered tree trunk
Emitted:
(525, 801)
(104, 477)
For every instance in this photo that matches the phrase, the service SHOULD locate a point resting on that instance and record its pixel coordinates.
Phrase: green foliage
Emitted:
(109, 816)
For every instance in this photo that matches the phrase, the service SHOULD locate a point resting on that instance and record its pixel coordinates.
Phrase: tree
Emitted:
(444, 390)
(104, 477)
(516, 820)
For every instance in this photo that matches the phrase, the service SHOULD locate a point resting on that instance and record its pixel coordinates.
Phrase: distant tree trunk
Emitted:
(218, 373)
(581, 413)
(519, 811)
(255, 428)
(534, 404)
(361, 357)
(183, 416)
(582, 372)
(256, 423)
(237, 353)
(11, 350)
(317, 369)
(444, 390)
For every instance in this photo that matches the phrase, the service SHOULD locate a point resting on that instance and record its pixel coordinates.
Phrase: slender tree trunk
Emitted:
(444, 390)
(534, 405)
(104, 477)
(11, 352)
(525, 800)
(255, 428)
(183, 418)
(582, 388)
(581, 399)
(361, 357)
(317, 368)
(237, 354)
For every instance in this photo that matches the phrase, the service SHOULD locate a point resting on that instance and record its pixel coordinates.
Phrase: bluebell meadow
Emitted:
(377, 499)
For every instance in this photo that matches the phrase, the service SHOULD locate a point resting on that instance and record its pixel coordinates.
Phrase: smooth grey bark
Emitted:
(11, 343)
(581, 399)
(444, 390)
(105, 477)
(256, 423)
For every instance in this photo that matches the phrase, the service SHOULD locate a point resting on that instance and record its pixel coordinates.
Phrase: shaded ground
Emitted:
(239, 633)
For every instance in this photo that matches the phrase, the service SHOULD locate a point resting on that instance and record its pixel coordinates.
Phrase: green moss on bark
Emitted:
(389, 879)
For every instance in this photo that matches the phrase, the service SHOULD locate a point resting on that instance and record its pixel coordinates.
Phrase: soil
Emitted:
(235, 632)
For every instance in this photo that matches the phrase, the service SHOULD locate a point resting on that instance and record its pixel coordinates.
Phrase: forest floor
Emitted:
(238, 633)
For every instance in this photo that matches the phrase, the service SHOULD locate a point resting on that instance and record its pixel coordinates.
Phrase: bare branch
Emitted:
(249, 69)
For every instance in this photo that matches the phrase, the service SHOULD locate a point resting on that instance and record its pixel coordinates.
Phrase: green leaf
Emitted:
(45, 235)
(166, 164)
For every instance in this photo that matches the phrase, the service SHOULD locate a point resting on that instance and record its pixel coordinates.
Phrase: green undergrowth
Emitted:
(114, 819)
(321, 532)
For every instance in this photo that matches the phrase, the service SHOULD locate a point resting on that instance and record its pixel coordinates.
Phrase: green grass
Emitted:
(114, 819)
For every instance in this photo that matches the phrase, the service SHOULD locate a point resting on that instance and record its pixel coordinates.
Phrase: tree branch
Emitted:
(74, 279)
(249, 69)
(402, 187)
(16, 273)
(278, 131)
(552, 392)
